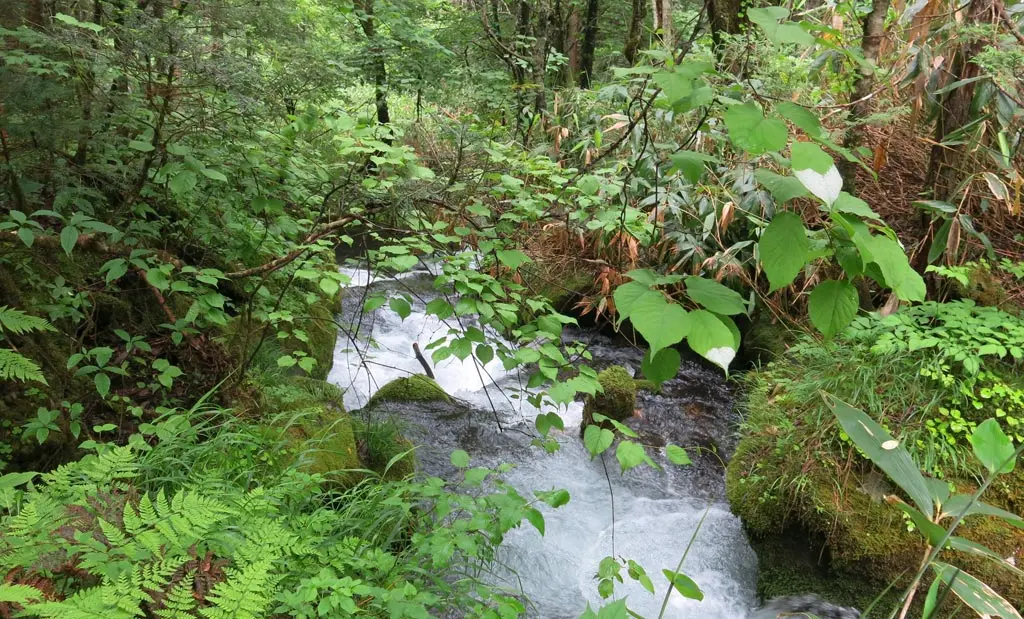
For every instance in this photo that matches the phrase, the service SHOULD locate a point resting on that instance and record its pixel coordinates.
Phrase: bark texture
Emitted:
(862, 103)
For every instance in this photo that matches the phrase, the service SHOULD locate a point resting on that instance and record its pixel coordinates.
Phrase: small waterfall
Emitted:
(655, 512)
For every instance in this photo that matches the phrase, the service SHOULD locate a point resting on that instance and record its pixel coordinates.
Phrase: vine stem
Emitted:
(679, 566)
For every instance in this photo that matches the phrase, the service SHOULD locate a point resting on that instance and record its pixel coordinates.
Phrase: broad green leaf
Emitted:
(963, 504)
(71, 21)
(512, 258)
(691, 164)
(546, 421)
(183, 182)
(102, 382)
(400, 306)
(684, 585)
(891, 260)
(809, 156)
(801, 117)
(626, 295)
(751, 131)
(677, 455)
(214, 175)
(330, 286)
(974, 593)
(459, 459)
(832, 306)
(158, 279)
(993, 448)
(711, 338)
(853, 205)
(142, 147)
(660, 322)
(535, 518)
(484, 353)
(68, 238)
(554, 498)
(646, 277)
(714, 296)
(630, 455)
(768, 19)
(782, 188)
(783, 249)
(373, 303)
(440, 308)
(876, 444)
(597, 439)
(664, 365)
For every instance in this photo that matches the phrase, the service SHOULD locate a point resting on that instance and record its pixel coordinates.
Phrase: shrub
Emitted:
(190, 528)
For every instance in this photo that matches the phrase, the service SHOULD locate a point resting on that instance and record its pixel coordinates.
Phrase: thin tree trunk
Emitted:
(590, 27)
(635, 32)
(378, 70)
(540, 53)
(663, 21)
(572, 37)
(724, 17)
(944, 173)
(870, 45)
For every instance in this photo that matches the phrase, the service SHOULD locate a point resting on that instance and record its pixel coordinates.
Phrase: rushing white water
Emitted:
(655, 514)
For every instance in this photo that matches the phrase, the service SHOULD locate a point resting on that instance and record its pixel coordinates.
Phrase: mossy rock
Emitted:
(765, 341)
(379, 443)
(642, 384)
(617, 400)
(325, 443)
(793, 489)
(415, 388)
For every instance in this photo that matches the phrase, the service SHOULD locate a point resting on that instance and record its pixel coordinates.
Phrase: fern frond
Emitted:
(19, 594)
(180, 603)
(18, 322)
(87, 604)
(246, 593)
(15, 366)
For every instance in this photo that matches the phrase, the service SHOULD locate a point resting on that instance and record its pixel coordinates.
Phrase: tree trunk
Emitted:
(635, 32)
(663, 21)
(378, 70)
(871, 43)
(589, 44)
(571, 42)
(540, 54)
(725, 17)
(944, 173)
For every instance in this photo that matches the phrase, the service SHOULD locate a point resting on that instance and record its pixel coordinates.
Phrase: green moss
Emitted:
(415, 388)
(794, 485)
(381, 442)
(617, 400)
(642, 384)
(324, 442)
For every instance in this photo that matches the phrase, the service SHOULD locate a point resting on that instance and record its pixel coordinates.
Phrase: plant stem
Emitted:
(679, 566)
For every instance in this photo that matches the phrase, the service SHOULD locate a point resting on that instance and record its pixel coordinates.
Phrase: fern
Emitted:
(15, 366)
(19, 594)
(180, 603)
(19, 323)
(246, 593)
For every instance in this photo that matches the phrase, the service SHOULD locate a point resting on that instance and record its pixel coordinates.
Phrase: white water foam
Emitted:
(557, 571)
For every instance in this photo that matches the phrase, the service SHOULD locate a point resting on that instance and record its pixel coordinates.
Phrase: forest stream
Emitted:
(645, 515)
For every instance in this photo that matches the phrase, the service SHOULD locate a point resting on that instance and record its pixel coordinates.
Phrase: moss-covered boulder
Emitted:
(324, 442)
(617, 399)
(815, 511)
(381, 444)
(415, 388)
